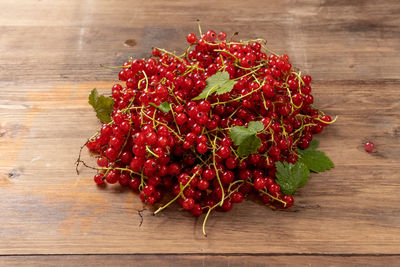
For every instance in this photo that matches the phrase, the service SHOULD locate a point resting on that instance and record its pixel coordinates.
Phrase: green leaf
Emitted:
(249, 146)
(102, 105)
(315, 160)
(246, 138)
(239, 133)
(314, 144)
(218, 83)
(290, 177)
(256, 126)
(164, 107)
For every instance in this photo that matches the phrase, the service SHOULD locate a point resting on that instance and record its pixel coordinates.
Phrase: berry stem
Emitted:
(226, 52)
(173, 116)
(327, 122)
(151, 152)
(238, 98)
(216, 170)
(268, 194)
(216, 205)
(114, 67)
(158, 122)
(169, 53)
(177, 196)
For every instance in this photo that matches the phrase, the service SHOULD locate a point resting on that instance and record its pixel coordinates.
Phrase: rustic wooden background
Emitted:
(50, 53)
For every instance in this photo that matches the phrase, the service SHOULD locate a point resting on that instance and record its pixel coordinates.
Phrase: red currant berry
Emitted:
(150, 166)
(226, 141)
(227, 205)
(224, 152)
(148, 190)
(188, 203)
(222, 36)
(191, 38)
(202, 148)
(196, 210)
(203, 184)
(237, 197)
(102, 162)
(208, 174)
(134, 183)
(204, 106)
(288, 200)
(124, 179)
(369, 147)
(274, 188)
(99, 178)
(227, 177)
(260, 183)
(181, 118)
(112, 177)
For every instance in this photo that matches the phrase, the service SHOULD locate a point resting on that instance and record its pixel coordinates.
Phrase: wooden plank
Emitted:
(49, 63)
(198, 260)
(350, 40)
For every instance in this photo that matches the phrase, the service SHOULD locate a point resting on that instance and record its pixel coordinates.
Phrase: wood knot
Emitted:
(13, 174)
(130, 43)
(396, 132)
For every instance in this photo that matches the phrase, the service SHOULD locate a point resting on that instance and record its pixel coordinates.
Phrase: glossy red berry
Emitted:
(112, 177)
(369, 147)
(191, 38)
(224, 152)
(208, 174)
(288, 201)
(99, 178)
(188, 203)
(202, 148)
(222, 36)
(237, 197)
(181, 118)
(196, 210)
(227, 205)
(148, 190)
(203, 184)
(102, 162)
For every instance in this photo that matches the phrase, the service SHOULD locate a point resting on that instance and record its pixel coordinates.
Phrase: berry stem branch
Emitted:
(177, 196)
(217, 171)
(268, 194)
(216, 205)
(238, 98)
(158, 122)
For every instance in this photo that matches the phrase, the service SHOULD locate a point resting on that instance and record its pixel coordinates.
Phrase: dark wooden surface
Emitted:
(50, 53)
(199, 260)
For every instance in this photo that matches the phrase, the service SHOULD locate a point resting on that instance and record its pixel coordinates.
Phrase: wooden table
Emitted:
(50, 53)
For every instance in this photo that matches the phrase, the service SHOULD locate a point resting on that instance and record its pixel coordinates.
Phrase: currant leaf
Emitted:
(246, 138)
(256, 126)
(249, 146)
(314, 144)
(239, 133)
(315, 160)
(164, 107)
(218, 83)
(102, 105)
(290, 177)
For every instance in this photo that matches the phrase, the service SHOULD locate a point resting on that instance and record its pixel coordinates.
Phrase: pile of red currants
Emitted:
(206, 128)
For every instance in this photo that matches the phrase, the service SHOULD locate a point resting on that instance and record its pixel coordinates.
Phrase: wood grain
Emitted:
(198, 260)
(50, 53)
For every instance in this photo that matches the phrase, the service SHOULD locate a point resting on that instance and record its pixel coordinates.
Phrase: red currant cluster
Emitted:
(161, 141)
